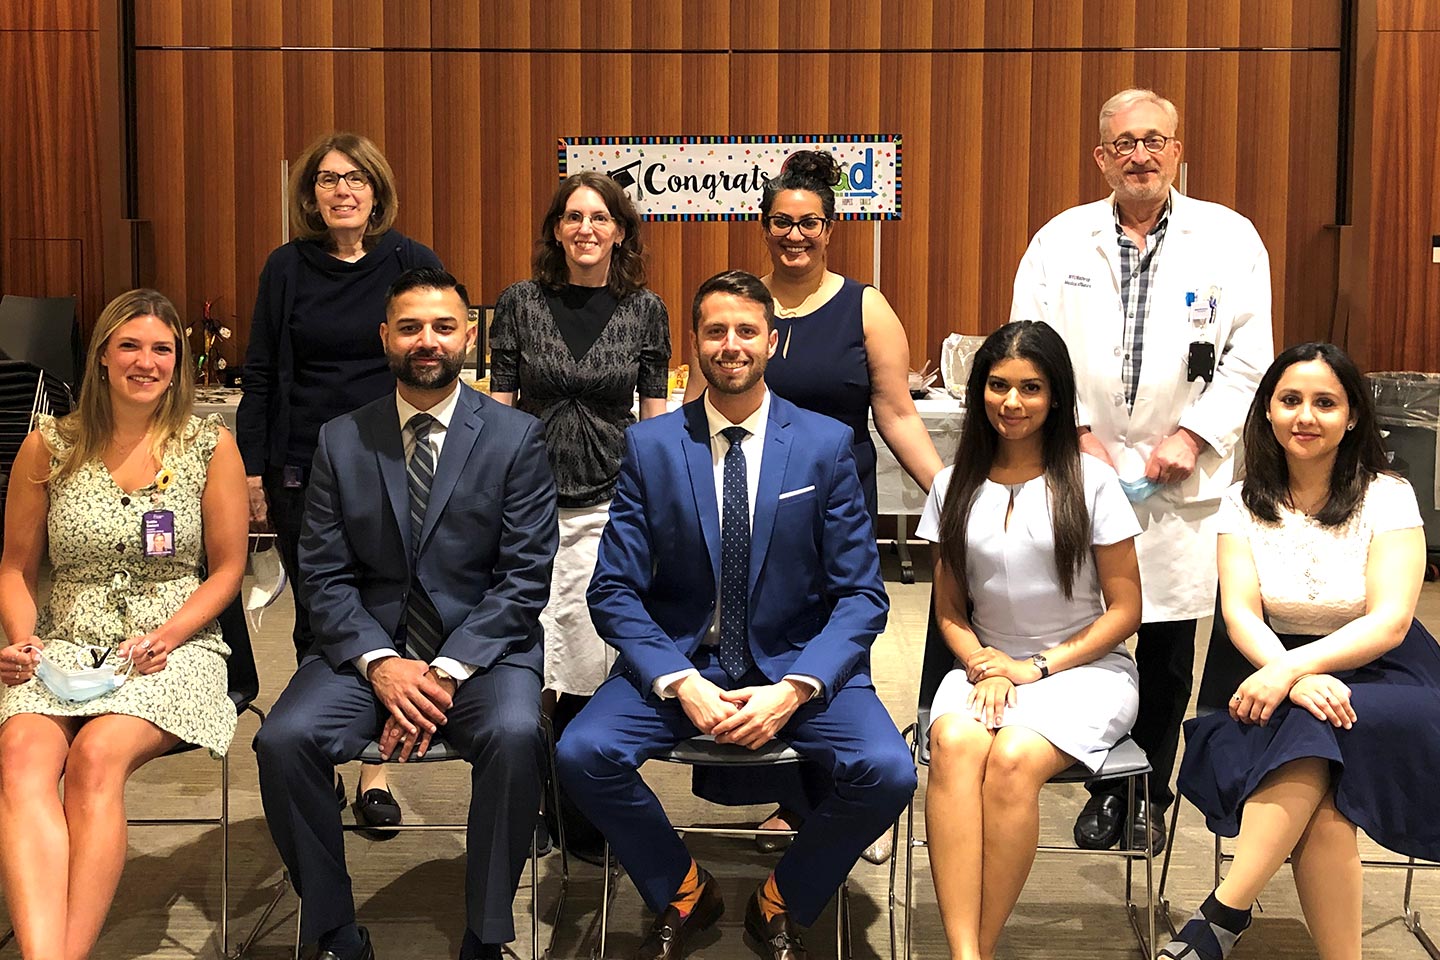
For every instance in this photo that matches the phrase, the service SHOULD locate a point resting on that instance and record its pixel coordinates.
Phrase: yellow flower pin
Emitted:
(163, 479)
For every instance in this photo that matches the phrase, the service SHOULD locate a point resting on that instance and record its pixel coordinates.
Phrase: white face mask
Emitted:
(80, 684)
(267, 582)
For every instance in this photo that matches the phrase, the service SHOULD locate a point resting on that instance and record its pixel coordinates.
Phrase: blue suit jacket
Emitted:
(816, 598)
(486, 548)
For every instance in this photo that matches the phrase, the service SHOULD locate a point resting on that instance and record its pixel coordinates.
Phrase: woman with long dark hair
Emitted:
(1036, 589)
(1321, 556)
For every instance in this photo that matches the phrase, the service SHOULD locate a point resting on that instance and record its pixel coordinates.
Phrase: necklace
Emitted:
(1313, 508)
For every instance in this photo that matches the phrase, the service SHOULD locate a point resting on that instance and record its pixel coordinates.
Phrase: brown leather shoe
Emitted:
(666, 939)
(777, 939)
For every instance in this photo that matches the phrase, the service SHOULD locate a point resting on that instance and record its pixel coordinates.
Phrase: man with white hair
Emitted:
(1164, 302)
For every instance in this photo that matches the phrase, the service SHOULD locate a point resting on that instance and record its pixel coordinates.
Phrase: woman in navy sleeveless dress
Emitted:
(1321, 559)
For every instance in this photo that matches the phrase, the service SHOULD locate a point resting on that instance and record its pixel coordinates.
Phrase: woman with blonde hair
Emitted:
(124, 659)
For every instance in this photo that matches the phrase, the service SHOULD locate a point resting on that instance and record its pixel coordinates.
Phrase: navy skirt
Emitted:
(1385, 769)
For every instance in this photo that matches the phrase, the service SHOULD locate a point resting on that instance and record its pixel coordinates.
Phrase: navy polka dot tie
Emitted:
(734, 559)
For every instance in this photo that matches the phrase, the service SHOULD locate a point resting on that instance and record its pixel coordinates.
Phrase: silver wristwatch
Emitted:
(1044, 665)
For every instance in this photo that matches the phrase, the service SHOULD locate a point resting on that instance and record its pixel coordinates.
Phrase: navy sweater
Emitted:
(315, 349)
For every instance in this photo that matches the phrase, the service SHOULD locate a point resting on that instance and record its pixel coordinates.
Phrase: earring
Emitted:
(1349, 426)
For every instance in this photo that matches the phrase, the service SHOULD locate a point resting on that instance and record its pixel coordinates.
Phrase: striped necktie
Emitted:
(424, 631)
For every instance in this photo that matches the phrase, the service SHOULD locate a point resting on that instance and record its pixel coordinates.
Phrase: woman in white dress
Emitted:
(1036, 590)
(1322, 554)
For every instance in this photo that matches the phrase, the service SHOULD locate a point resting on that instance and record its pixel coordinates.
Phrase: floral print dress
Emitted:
(106, 590)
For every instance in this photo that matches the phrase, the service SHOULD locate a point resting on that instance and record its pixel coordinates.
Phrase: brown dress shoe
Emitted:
(666, 939)
(777, 939)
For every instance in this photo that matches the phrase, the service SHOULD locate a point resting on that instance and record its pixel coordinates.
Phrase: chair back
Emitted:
(244, 681)
(42, 331)
(935, 663)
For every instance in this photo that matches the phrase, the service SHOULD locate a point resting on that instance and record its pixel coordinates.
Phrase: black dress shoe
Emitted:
(1100, 823)
(367, 952)
(775, 939)
(667, 936)
(1148, 820)
(377, 808)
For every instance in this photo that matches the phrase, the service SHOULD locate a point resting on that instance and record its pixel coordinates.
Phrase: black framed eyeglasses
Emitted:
(780, 226)
(1124, 146)
(329, 179)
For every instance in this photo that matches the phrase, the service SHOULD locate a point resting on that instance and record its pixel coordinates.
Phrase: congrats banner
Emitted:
(720, 178)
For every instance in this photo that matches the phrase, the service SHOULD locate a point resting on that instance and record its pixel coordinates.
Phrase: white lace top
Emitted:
(1312, 578)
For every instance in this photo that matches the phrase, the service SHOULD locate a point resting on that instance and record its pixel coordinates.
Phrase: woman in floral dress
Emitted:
(135, 500)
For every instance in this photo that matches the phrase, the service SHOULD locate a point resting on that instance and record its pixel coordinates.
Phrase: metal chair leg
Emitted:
(244, 948)
(1412, 916)
(909, 875)
(599, 953)
(1161, 903)
(894, 857)
(224, 855)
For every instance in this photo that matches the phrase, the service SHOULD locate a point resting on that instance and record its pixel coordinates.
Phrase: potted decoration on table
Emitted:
(208, 362)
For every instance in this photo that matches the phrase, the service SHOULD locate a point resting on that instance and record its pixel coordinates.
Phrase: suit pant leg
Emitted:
(1165, 659)
(495, 724)
(599, 759)
(852, 737)
(324, 717)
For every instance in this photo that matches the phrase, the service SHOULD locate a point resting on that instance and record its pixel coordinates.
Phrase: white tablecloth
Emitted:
(943, 417)
(219, 400)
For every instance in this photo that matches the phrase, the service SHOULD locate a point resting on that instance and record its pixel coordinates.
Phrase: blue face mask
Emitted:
(1138, 490)
(79, 685)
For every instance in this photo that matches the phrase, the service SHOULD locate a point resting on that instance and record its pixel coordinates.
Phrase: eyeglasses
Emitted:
(1124, 146)
(809, 226)
(329, 179)
(598, 221)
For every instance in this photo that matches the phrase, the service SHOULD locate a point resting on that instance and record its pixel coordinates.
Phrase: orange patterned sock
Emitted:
(771, 903)
(689, 892)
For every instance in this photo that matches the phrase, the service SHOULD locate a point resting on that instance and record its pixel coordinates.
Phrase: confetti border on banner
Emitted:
(892, 140)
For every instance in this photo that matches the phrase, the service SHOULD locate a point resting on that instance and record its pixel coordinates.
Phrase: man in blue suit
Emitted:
(747, 630)
(429, 533)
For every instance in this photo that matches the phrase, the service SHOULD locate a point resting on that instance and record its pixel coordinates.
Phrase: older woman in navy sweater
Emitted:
(315, 348)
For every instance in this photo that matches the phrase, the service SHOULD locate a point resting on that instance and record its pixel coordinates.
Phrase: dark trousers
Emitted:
(287, 510)
(1165, 657)
(327, 716)
(850, 735)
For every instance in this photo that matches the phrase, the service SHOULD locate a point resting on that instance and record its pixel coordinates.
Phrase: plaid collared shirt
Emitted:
(1137, 272)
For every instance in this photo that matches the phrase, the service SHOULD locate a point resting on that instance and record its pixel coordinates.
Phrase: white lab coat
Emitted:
(1070, 278)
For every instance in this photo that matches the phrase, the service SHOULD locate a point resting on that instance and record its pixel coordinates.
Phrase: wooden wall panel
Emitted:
(996, 141)
(1404, 283)
(747, 25)
(49, 158)
(1407, 15)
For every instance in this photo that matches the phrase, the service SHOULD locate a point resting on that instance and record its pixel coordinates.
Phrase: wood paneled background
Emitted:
(996, 100)
(49, 193)
(1404, 162)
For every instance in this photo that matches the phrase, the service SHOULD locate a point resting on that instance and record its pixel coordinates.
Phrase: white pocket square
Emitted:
(796, 493)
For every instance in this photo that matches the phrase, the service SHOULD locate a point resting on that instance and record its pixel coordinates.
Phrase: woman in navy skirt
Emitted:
(1322, 555)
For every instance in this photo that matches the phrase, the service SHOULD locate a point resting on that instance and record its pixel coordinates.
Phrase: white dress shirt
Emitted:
(442, 412)
(753, 446)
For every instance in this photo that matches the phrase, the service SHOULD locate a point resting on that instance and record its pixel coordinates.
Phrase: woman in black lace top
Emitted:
(573, 346)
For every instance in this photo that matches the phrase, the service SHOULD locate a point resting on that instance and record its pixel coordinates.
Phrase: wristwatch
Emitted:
(442, 675)
(1044, 665)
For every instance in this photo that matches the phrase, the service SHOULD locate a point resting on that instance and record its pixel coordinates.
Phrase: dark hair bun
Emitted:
(815, 165)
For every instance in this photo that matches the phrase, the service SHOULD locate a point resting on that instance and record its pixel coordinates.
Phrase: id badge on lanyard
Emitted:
(158, 533)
